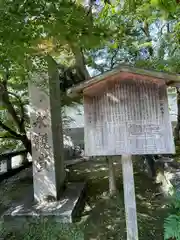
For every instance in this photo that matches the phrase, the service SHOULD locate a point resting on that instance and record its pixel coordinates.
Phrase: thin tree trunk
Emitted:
(80, 61)
(12, 112)
(112, 177)
(146, 31)
(27, 144)
(151, 166)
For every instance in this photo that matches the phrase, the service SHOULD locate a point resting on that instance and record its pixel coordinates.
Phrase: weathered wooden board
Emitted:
(129, 117)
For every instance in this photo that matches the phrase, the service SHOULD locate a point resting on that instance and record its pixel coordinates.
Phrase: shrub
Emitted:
(172, 222)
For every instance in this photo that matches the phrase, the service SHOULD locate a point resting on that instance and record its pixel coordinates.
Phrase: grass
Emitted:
(103, 216)
(46, 230)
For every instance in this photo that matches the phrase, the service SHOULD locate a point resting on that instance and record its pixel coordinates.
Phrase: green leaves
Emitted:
(172, 222)
(172, 227)
(166, 5)
(4, 134)
(2, 108)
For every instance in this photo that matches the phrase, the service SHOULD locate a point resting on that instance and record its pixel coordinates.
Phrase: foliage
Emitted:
(35, 30)
(172, 222)
(77, 34)
(13, 112)
(141, 37)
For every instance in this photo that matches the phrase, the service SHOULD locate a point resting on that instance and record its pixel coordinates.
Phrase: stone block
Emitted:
(65, 210)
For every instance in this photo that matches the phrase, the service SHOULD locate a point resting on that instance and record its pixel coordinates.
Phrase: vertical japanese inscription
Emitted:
(40, 142)
(40, 120)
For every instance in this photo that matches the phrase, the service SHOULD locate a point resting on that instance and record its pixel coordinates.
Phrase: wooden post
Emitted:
(129, 198)
(112, 177)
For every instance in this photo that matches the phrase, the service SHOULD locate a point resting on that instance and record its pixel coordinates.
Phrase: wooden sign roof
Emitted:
(96, 84)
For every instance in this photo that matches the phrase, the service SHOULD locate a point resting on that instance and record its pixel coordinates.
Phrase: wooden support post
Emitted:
(129, 198)
(112, 177)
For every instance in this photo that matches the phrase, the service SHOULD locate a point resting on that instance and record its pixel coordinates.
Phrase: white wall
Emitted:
(172, 106)
(77, 114)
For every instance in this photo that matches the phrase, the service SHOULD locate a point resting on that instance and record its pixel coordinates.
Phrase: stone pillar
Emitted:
(46, 134)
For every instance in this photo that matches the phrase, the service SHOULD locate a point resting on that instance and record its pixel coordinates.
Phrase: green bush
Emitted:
(172, 222)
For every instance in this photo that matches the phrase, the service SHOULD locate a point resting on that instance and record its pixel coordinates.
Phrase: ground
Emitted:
(103, 216)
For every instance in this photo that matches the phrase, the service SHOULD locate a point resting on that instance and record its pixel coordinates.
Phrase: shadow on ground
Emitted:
(103, 217)
(13, 189)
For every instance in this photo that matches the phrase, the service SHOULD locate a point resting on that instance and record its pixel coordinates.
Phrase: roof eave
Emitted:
(170, 79)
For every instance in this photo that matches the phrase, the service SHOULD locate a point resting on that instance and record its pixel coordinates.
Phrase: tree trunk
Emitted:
(151, 166)
(27, 144)
(19, 122)
(146, 31)
(177, 128)
(112, 177)
(80, 61)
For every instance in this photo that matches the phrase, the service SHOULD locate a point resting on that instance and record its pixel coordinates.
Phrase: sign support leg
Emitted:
(129, 198)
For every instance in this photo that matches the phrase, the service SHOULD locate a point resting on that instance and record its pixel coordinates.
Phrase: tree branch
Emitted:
(145, 30)
(80, 60)
(89, 13)
(98, 67)
(10, 108)
(12, 132)
(113, 57)
(21, 106)
(9, 137)
(161, 30)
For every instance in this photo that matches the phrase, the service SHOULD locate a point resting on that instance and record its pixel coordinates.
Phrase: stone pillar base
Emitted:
(66, 210)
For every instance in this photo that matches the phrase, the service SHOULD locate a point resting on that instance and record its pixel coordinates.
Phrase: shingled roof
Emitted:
(123, 72)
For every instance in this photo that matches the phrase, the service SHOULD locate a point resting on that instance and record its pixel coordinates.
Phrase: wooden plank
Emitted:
(129, 118)
(129, 198)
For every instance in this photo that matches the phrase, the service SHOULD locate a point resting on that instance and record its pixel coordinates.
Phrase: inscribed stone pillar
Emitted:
(46, 134)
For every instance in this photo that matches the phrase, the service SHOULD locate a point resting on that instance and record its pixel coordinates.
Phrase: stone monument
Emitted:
(46, 134)
(51, 197)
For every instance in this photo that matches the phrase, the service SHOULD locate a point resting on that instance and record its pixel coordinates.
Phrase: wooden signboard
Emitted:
(129, 117)
(126, 113)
